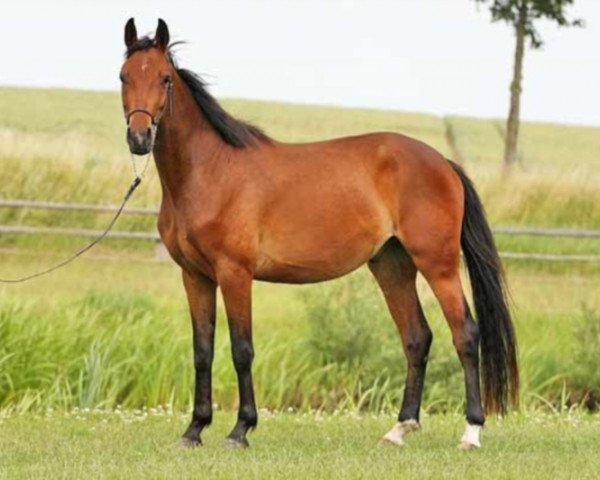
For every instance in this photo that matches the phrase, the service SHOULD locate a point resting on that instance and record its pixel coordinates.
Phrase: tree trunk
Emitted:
(512, 124)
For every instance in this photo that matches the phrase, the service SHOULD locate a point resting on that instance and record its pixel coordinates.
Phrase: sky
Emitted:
(438, 56)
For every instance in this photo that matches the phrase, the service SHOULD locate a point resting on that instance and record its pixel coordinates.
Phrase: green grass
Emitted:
(143, 444)
(87, 342)
(92, 343)
(82, 349)
(78, 154)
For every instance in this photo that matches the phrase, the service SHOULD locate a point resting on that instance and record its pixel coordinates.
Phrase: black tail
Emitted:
(498, 342)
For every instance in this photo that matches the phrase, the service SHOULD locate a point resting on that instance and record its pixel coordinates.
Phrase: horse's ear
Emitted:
(130, 33)
(162, 34)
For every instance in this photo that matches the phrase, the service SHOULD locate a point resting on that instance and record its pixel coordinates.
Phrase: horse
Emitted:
(238, 206)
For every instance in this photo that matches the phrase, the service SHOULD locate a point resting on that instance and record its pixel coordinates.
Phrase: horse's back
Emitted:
(365, 171)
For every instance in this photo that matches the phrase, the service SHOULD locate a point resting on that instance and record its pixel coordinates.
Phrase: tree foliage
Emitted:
(529, 11)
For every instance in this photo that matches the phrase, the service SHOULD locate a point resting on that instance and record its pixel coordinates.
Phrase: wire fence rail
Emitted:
(153, 236)
(79, 207)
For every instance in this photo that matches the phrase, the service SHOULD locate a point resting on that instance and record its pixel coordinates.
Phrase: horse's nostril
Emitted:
(149, 132)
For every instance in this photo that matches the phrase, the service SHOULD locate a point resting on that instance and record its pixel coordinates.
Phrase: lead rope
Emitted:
(132, 188)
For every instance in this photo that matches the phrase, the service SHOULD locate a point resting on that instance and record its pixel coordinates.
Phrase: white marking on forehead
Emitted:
(144, 66)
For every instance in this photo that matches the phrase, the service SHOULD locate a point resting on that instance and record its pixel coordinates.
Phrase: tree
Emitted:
(521, 15)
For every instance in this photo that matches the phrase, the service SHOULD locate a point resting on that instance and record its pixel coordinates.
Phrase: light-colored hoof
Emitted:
(185, 442)
(233, 443)
(468, 446)
(471, 438)
(396, 435)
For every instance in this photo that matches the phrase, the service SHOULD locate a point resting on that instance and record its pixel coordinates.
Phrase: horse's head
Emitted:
(146, 79)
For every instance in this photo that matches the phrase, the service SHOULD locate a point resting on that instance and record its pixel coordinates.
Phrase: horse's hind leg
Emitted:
(396, 275)
(438, 258)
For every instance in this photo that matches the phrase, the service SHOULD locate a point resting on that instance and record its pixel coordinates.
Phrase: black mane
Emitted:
(234, 132)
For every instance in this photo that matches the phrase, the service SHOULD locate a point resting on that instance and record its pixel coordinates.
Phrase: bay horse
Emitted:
(239, 206)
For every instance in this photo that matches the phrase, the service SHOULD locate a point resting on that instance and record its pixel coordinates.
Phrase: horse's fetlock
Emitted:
(248, 415)
(203, 415)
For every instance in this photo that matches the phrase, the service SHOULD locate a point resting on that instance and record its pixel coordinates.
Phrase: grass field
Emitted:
(89, 342)
(79, 154)
(113, 329)
(143, 444)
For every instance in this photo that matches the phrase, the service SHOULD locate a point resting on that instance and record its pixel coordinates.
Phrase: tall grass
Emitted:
(109, 349)
(339, 349)
(352, 334)
(78, 154)
(352, 330)
(555, 183)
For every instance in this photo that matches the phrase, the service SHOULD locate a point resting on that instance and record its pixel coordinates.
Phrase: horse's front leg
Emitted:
(236, 287)
(201, 293)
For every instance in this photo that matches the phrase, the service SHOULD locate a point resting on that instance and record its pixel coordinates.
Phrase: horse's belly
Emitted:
(317, 259)
(279, 271)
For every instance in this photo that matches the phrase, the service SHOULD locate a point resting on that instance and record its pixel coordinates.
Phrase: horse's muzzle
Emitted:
(140, 141)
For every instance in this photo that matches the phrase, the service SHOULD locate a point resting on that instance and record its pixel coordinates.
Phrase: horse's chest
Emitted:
(185, 245)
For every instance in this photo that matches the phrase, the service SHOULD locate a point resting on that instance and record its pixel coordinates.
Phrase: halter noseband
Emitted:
(141, 110)
(155, 120)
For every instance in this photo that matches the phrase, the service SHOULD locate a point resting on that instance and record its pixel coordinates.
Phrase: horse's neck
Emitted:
(184, 143)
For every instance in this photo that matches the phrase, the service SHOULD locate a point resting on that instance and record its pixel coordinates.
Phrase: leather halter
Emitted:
(155, 119)
(141, 110)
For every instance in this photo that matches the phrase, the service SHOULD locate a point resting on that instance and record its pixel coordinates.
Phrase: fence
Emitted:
(153, 236)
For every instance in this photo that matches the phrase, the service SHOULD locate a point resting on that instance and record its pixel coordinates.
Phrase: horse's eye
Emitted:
(166, 80)
(122, 78)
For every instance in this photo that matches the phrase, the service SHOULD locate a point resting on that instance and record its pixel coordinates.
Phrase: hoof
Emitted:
(468, 446)
(396, 435)
(386, 442)
(470, 438)
(185, 442)
(236, 443)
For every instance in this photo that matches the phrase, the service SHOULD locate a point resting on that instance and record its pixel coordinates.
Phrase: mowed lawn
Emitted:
(144, 445)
